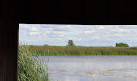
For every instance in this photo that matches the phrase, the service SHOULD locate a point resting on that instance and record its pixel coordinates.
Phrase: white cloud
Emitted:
(33, 33)
(23, 26)
(54, 34)
(119, 30)
(88, 32)
(101, 27)
(34, 29)
(131, 25)
(97, 37)
(63, 28)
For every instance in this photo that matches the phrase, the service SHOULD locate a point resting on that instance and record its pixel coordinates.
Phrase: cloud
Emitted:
(101, 27)
(23, 26)
(82, 34)
(88, 32)
(33, 33)
(119, 30)
(34, 29)
(63, 28)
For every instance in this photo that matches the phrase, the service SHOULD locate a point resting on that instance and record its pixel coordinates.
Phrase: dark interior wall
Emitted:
(8, 50)
(98, 11)
(8, 40)
(65, 11)
(0, 8)
(78, 11)
(53, 11)
(123, 12)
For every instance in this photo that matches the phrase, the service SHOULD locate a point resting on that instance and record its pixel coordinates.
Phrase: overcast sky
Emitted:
(84, 35)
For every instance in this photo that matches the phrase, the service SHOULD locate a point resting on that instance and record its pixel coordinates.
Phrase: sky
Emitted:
(82, 35)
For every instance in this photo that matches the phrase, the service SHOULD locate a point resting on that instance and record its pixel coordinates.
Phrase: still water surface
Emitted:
(91, 68)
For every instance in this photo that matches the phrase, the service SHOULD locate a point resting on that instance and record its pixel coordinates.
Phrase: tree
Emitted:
(45, 45)
(122, 45)
(70, 43)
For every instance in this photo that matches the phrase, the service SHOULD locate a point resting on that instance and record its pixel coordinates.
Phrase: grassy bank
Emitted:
(28, 68)
(79, 50)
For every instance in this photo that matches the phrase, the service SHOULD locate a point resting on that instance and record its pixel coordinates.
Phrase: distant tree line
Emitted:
(122, 45)
(46, 45)
(71, 43)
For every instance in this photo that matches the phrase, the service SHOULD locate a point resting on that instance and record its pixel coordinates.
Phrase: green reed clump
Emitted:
(80, 50)
(30, 68)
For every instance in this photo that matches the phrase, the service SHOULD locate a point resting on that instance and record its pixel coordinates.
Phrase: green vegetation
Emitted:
(81, 50)
(122, 45)
(70, 43)
(30, 68)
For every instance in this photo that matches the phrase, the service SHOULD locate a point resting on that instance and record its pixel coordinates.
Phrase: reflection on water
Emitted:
(91, 68)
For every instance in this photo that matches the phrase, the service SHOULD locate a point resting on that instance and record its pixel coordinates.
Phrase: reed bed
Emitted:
(30, 68)
(80, 50)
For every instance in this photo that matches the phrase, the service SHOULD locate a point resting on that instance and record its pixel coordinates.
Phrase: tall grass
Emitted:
(79, 50)
(30, 68)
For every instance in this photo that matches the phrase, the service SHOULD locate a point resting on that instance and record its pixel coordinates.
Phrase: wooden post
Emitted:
(8, 40)
(8, 50)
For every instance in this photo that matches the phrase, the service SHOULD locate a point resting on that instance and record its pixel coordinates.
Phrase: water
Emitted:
(91, 68)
